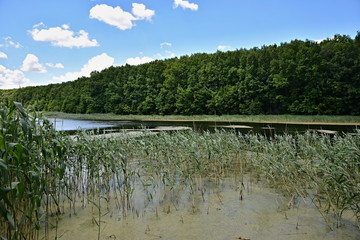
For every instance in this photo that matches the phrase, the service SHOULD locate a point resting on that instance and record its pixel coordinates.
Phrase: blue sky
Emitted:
(52, 41)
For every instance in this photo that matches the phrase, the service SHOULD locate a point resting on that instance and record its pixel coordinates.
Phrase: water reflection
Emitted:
(73, 124)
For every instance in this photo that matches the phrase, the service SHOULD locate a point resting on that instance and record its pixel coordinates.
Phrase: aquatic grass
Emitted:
(300, 165)
(45, 174)
(324, 167)
(338, 178)
(286, 161)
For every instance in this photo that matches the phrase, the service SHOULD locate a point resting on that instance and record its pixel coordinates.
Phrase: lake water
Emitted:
(73, 124)
(243, 127)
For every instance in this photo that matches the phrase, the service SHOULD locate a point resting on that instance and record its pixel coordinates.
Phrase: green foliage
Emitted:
(29, 148)
(300, 77)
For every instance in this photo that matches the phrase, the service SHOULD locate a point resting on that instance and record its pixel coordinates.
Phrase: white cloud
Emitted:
(322, 40)
(12, 78)
(65, 26)
(168, 54)
(11, 43)
(140, 11)
(54, 65)
(223, 48)
(139, 60)
(96, 63)
(112, 16)
(165, 44)
(186, 4)
(63, 37)
(115, 16)
(3, 55)
(40, 24)
(31, 64)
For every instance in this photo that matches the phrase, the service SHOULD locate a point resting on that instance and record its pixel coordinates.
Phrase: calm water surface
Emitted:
(74, 124)
(243, 127)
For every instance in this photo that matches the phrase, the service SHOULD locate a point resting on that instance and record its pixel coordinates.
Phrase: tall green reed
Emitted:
(30, 151)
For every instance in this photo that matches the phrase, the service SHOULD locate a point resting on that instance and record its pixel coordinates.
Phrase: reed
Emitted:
(29, 173)
(45, 174)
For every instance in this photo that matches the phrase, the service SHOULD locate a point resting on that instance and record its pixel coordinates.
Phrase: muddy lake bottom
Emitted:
(219, 213)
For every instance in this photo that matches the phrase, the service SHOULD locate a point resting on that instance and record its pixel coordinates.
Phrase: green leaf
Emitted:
(2, 237)
(3, 164)
(19, 107)
(12, 145)
(94, 220)
(14, 185)
(94, 203)
(4, 171)
(10, 220)
(24, 125)
(105, 214)
(3, 210)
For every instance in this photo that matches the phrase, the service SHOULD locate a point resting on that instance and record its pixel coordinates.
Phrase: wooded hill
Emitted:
(300, 77)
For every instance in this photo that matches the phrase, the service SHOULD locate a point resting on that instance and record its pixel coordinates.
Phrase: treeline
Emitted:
(300, 77)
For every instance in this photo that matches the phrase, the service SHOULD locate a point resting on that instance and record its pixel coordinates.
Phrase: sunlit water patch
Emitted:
(74, 124)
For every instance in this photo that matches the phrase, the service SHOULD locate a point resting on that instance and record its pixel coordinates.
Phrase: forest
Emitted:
(299, 77)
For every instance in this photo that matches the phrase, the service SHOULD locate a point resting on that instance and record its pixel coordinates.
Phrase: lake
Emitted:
(243, 127)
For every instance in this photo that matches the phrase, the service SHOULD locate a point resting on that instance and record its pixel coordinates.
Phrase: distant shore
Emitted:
(282, 119)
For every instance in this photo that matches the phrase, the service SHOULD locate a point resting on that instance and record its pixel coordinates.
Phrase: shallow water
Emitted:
(177, 214)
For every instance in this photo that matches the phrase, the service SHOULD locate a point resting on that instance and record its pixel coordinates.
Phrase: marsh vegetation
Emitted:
(47, 177)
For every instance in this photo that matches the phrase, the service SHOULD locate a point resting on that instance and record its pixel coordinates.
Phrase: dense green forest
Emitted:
(300, 77)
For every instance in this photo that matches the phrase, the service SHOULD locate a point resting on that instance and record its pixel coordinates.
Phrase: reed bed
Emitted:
(46, 175)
